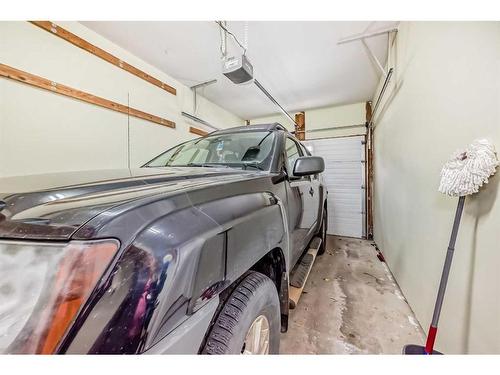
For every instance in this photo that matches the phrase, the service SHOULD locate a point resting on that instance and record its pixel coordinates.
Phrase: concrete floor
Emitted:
(350, 305)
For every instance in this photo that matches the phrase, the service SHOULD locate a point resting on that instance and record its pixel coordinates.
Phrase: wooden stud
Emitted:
(300, 128)
(43, 83)
(99, 52)
(197, 131)
(369, 171)
(368, 110)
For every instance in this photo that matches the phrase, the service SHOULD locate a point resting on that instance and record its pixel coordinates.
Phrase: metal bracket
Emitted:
(206, 83)
(195, 93)
(373, 57)
(370, 53)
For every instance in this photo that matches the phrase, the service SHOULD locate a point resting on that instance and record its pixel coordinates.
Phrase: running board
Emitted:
(301, 273)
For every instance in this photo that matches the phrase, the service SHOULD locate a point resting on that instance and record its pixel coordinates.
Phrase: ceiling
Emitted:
(298, 62)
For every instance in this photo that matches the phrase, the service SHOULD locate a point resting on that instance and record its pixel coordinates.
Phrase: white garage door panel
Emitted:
(344, 227)
(344, 177)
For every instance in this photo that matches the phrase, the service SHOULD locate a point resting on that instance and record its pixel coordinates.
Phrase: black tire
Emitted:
(322, 232)
(255, 295)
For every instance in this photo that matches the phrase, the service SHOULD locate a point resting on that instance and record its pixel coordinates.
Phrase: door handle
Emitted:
(311, 191)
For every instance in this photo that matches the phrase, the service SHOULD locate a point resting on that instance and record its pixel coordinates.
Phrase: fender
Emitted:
(323, 193)
(254, 224)
(173, 267)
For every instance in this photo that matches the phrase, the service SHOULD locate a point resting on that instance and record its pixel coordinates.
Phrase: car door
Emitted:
(300, 195)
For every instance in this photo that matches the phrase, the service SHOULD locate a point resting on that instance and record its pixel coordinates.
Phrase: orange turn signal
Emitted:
(78, 272)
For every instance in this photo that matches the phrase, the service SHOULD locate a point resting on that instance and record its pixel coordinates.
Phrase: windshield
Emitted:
(238, 150)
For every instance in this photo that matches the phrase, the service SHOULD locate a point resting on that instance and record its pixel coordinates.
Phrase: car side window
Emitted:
(305, 151)
(292, 154)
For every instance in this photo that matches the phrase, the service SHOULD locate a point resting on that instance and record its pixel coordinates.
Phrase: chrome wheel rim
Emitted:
(257, 338)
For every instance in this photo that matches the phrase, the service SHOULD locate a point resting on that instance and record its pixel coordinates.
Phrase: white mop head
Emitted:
(469, 169)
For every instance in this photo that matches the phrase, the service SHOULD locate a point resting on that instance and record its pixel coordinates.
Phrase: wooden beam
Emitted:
(368, 110)
(43, 83)
(369, 171)
(197, 131)
(300, 127)
(99, 52)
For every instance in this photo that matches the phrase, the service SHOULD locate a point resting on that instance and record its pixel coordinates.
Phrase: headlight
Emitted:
(42, 288)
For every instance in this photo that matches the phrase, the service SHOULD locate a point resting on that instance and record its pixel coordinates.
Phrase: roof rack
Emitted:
(248, 128)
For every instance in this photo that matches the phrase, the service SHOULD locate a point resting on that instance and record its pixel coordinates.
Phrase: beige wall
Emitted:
(328, 117)
(45, 132)
(445, 93)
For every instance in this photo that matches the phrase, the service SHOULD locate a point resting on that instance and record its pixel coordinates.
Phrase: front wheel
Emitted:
(249, 321)
(322, 232)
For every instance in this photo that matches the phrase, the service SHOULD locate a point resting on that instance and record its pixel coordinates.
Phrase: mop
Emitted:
(462, 175)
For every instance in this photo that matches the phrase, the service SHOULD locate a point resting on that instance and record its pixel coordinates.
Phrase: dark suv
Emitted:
(189, 254)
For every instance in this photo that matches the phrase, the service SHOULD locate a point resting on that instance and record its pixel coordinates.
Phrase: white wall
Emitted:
(321, 118)
(445, 93)
(44, 132)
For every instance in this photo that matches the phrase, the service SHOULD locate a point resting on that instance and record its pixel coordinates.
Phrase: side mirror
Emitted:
(307, 165)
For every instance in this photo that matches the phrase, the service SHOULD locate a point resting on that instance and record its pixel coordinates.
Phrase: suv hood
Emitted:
(54, 206)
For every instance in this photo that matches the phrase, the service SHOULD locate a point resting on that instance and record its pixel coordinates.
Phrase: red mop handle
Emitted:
(431, 337)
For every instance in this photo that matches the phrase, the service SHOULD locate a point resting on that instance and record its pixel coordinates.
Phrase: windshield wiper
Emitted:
(208, 165)
(218, 165)
(252, 165)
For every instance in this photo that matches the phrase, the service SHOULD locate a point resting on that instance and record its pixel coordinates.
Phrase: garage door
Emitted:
(345, 178)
